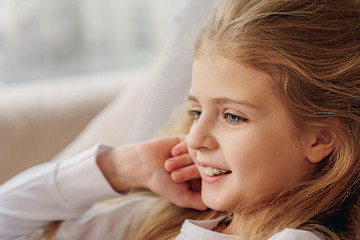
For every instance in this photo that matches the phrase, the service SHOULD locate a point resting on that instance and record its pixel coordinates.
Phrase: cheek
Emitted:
(192, 154)
(264, 165)
(257, 152)
(241, 147)
(243, 159)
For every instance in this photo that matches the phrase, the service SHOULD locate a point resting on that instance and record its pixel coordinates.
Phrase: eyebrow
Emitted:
(224, 100)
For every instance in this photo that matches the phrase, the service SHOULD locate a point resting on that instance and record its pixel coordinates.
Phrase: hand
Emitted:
(142, 166)
(182, 167)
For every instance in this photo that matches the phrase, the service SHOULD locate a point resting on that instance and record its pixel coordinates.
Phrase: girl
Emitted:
(275, 106)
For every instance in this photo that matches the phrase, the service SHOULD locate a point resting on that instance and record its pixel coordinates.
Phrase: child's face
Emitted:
(241, 125)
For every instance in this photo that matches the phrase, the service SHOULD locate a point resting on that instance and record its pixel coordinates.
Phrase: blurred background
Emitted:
(41, 39)
(70, 69)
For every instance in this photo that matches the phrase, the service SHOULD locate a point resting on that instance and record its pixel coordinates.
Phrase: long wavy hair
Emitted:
(311, 51)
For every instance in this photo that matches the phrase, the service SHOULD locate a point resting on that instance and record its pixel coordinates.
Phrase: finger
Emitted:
(178, 162)
(181, 137)
(167, 142)
(185, 174)
(180, 148)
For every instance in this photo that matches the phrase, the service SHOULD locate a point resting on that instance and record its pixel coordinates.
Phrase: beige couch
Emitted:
(56, 119)
(38, 120)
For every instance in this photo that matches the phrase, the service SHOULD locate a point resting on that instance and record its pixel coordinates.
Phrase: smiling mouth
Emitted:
(212, 172)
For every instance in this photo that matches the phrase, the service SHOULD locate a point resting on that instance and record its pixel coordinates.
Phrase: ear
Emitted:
(320, 145)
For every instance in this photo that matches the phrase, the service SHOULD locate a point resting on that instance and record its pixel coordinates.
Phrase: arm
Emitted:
(66, 189)
(52, 191)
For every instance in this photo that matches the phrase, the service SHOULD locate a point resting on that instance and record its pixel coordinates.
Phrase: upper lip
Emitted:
(205, 164)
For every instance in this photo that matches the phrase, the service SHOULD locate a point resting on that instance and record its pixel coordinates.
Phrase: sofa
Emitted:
(48, 120)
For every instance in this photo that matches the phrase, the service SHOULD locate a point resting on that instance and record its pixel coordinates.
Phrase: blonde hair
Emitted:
(311, 50)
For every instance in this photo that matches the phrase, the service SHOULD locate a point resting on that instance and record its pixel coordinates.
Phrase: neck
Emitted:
(241, 224)
(235, 227)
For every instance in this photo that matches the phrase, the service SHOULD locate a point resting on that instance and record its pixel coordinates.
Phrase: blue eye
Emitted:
(234, 119)
(195, 114)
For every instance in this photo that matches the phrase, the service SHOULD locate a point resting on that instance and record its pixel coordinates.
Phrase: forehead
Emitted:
(215, 76)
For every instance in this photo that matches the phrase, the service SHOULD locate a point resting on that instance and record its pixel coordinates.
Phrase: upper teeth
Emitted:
(213, 171)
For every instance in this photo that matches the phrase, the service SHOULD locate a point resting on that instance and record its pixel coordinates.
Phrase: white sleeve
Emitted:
(52, 191)
(295, 234)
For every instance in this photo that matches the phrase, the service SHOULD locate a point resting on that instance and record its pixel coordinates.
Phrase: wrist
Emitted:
(106, 166)
(117, 167)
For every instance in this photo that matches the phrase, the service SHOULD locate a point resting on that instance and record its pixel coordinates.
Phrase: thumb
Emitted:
(180, 148)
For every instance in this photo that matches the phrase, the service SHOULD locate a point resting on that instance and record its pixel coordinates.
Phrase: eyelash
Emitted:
(227, 117)
(195, 114)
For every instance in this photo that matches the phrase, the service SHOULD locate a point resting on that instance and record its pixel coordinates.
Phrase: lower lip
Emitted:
(213, 179)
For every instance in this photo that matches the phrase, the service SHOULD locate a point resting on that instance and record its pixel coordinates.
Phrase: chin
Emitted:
(216, 203)
(223, 202)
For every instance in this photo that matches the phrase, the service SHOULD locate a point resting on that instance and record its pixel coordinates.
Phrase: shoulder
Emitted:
(295, 234)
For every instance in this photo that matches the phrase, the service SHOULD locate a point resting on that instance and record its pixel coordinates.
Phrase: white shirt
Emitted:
(68, 190)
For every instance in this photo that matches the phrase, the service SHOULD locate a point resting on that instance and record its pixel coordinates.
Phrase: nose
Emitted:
(201, 136)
